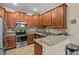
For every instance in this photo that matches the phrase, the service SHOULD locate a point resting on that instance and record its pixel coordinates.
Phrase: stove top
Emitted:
(21, 33)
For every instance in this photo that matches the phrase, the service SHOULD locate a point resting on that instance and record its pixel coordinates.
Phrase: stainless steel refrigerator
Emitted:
(3, 36)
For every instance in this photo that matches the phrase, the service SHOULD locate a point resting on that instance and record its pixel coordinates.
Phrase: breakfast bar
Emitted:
(51, 45)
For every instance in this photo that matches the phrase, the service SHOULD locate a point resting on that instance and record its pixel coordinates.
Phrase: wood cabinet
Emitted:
(10, 18)
(35, 20)
(54, 18)
(20, 16)
(38, 50)
(25, 17)
(43, 18)
(11, 40)
(2, 12)
(31, 38)
(29, 20)
(40, 21)
(59, 17)
(47, 18)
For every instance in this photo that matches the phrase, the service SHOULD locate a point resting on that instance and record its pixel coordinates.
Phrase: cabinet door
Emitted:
(60, 21)
(13, 20)
(35, 19)
(54, 19)
(2, 11)
(10, 19)
(61, 11)
(59, 17)
(31, 38)
(20, 16)
(40, 21)
(48, 18)
(44, 19)
(25, 17)
(11, 40)
(38, 50)
(29, 21)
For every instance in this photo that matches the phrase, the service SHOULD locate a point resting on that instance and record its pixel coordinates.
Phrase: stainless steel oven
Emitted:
(21, 34)
(21, 40)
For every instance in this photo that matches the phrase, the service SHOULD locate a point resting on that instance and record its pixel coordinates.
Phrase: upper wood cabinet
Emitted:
(59, 16)
(54, 18)
(40, 21)
(47, 18)
(29, 21)
(44, 19)
(10, 18)
(2, 12)
(20, 16)
(35, 19)
(24, 16)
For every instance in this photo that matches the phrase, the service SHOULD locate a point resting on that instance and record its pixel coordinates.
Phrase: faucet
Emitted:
(47, 32)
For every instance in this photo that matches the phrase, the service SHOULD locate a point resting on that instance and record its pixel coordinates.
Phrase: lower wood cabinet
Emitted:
(31, 38)
(11, 40)
(38, 50)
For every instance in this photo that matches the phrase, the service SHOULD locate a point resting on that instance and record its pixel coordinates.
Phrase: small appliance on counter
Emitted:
(21, 34)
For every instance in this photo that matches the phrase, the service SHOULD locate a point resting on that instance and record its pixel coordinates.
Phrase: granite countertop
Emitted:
(13, 33)
(51, 40)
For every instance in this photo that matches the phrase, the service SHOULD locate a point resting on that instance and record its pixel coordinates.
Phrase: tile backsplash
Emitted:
(50, 30)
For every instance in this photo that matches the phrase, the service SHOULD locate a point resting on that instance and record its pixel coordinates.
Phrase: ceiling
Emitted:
(29, 7)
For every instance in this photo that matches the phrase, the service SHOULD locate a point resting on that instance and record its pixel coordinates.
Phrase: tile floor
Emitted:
(26, 50)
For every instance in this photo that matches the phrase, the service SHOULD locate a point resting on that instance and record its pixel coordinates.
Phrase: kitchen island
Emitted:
(51, 45)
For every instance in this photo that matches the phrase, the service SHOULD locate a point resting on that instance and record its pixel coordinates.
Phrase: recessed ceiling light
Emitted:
(15, 3)
(34, 9)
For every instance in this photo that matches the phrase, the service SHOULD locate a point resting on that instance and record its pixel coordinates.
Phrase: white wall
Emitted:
(73, 29)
